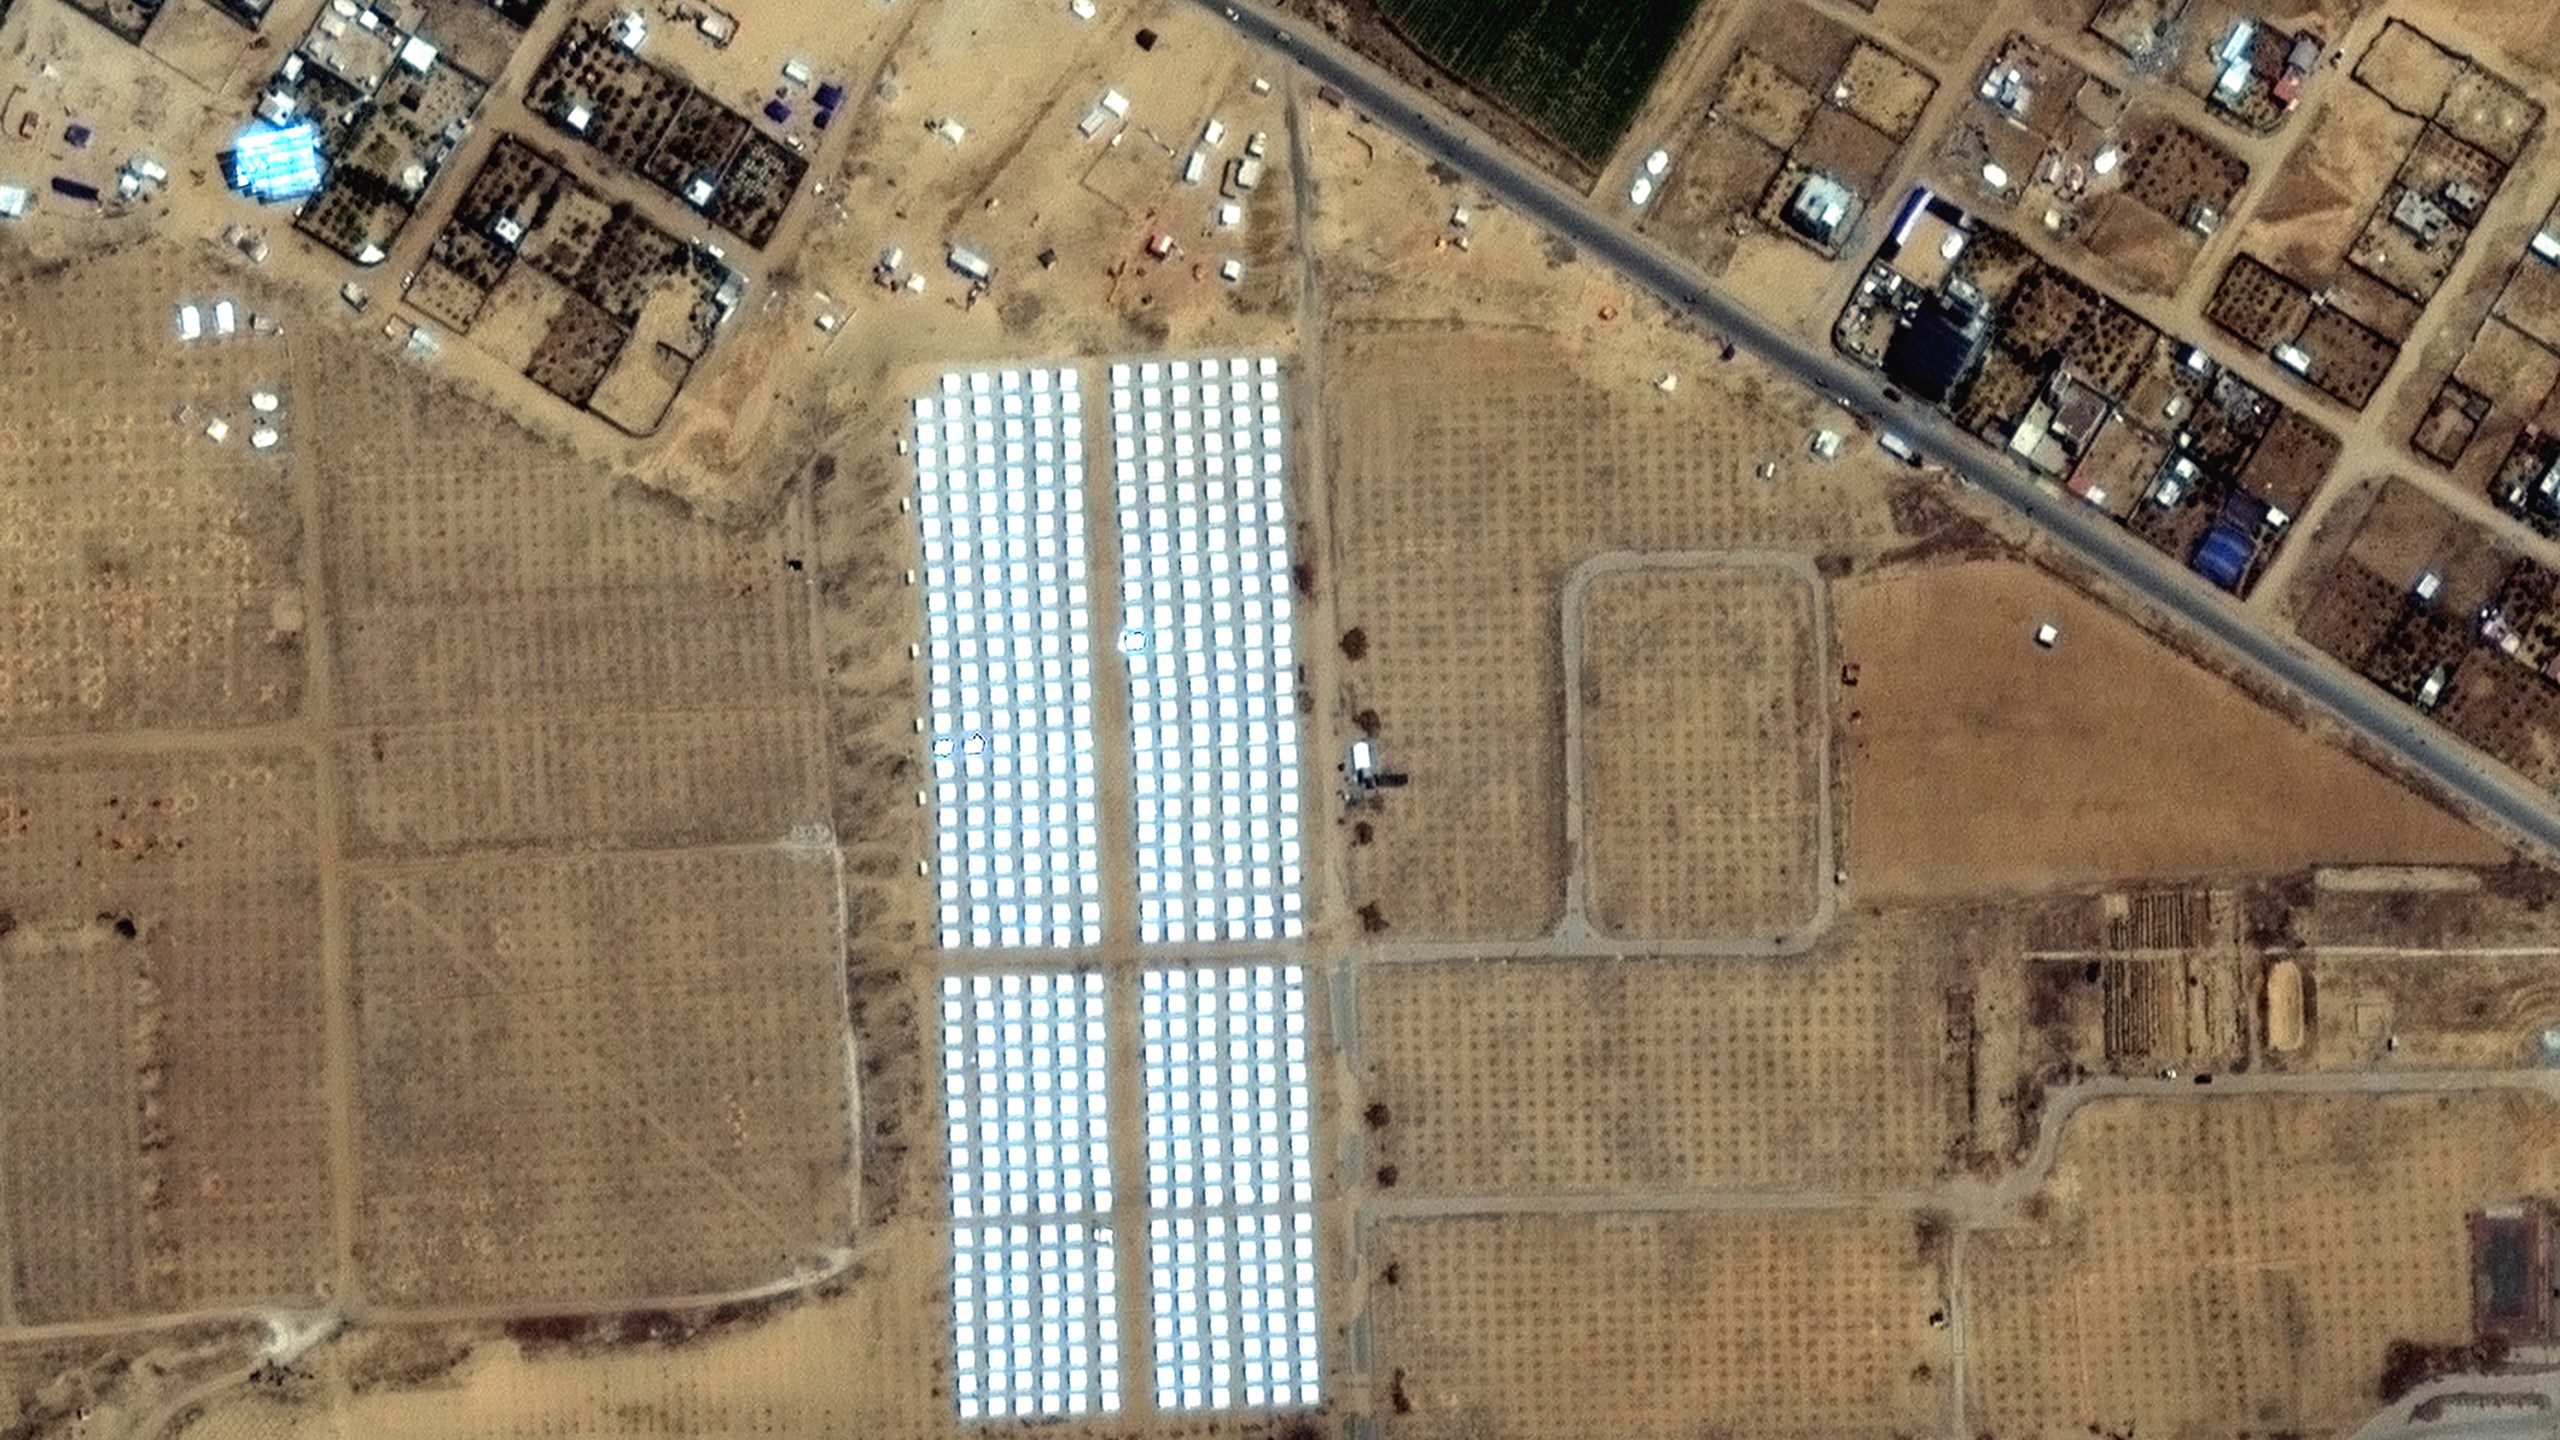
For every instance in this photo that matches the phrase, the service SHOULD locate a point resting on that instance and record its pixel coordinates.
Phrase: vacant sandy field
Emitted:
(1978, 762)
(577, 1091)
(1804, 1324)
(150, 573)
(1469, 472)
(1702, 742)
(2256, 1281)
(531, 659)
(1822, 1072)
(161, 1034)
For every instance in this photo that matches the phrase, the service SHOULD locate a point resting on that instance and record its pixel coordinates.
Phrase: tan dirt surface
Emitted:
(2294, 1237)
(1701, 726)
(1977, 761)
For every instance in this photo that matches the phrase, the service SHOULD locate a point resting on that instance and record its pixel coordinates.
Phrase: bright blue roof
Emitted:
(2224, 556)
(273, 164)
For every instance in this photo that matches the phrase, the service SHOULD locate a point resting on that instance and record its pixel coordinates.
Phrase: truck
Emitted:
(1900, 449)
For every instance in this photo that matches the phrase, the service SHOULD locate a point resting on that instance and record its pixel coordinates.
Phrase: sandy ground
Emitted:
(1784, 1325)
(2137, 762)
(2260, 1277)
(569, 747)
(1702, 741)
(1823, 1072)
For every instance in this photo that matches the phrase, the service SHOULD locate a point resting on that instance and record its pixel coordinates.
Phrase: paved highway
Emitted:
(2493, 792)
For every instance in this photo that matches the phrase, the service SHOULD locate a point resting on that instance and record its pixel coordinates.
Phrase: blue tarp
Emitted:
(273, 164)
(2224, 556)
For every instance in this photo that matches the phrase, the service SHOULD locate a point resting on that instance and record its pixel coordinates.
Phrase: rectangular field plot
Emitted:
(646, 779)
(1034, 1288)
(2255, 1283)
(1000, 469)
(1230, 1188)
(591, 1080)
(1199, 458)
(1615, 1077)
(152, 572)
(1702, 739)
(161, 1035)
(1809, 1325)
(1472, 473)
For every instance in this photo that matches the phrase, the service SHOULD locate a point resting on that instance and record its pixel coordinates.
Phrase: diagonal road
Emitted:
(2488, 790)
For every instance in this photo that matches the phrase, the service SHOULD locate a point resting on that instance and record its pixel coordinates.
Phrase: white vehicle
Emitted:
(1899, 448)
(226, 318)
(1256, 143)
(190, 322)
(1641, 191)
(1826, 444)
(1213, 132)
(1656, 163)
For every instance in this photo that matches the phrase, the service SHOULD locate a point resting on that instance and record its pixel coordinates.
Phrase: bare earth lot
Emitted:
(1471, 472)
(1978, 762)
(2293, 1240)
(1525, 1327)
(1643, 1077)
(1700, 748)
(522, 874)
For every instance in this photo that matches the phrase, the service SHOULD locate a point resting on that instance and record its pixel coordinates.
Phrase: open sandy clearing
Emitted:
(2257, 1280)
(1806, 1324)
(1702, 738)
(1979, 762)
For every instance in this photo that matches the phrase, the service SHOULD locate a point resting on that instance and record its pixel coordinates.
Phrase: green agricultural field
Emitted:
(1576, 69)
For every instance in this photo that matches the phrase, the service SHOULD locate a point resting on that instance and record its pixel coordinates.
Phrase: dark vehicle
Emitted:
(70, 189)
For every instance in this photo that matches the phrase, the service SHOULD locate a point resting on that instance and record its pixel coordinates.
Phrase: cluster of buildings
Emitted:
(595, 87)
(2144, 426)
(356, 124)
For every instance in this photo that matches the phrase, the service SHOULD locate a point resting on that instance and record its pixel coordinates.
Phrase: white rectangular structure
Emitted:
(1231, 1232)
(1034, 1291)
(1199, 458)
(1000, 498)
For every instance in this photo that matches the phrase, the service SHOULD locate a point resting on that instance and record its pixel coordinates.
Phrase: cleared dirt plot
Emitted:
(1640, 1076)
(159, 926)
(599, 1079)
(2531, 300)
(2407, 69)
(1724, 171)
(2339, 170)
(1701, 723)
(509, 579)
(642, 780)
(2508, 366)
(2257, 1280)
(2490, 113)
(1883, 89)
(1471, 472)
(140, 592)
(2452, 418)
(1765, 100)
(1777, 1325)
(2139, 762)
